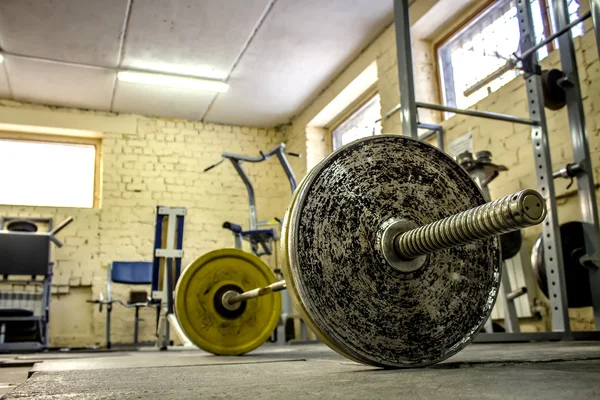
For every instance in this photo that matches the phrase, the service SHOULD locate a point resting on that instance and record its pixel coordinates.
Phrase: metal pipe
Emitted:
(287, 168)
(581, 151)
(480, 114)
(249, 188)
(550, 38)
(389, 113)
(427, 134)
(433, 127)
(254, 293)
(511, 63)
(406, 78)
(516, 293)
(510, 213)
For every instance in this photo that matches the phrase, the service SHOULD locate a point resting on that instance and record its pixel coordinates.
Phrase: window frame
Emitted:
(349, 111)
(63, 139)
(462, 23)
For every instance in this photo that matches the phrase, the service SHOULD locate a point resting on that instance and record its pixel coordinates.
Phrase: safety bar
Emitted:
(480, 114)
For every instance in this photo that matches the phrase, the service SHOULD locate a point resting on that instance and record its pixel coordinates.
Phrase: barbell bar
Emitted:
(510, 213)
(231, 297)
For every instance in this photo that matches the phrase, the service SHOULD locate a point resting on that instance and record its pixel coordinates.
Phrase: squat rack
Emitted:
(541, 147)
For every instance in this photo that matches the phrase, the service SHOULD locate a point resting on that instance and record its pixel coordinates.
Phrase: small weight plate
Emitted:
(345, 290)
(201, 315)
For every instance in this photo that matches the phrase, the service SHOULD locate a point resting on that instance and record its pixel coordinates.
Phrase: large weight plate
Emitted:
(576, 275)
(342, 287)
(208, 325)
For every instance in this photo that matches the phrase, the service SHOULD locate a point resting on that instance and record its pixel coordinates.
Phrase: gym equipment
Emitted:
(484, 171)
(540, 143)
(576, 270)
(21, 225)
(555, 96)
(256, 237)
(166, 269)
(511, 243)
(24, 252)
(391, 254)
(162, 274)
(262, 239)
(212, 323)
(569, 171)
(130, 273)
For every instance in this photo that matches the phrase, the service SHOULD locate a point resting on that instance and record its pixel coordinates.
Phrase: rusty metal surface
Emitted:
(361, 306)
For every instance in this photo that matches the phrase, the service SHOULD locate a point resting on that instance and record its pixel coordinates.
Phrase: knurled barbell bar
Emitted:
(516, 211)
(366, 267)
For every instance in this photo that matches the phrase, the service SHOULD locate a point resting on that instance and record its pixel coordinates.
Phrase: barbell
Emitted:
(391, 258)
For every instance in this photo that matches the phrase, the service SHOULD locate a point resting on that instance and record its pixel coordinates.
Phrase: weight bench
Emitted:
(259, 238)
(130, 273)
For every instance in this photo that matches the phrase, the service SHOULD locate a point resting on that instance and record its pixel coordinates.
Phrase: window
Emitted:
(359, 124)
(483, 45)
(59, 171)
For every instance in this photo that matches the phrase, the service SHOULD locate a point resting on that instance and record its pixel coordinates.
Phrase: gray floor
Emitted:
(492, 371)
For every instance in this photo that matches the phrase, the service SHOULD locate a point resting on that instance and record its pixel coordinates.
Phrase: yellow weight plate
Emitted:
(201, 315)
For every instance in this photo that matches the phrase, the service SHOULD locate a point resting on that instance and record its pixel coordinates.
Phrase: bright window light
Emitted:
(149, 78)
(47, 174)
(360, 124)
(1, 58)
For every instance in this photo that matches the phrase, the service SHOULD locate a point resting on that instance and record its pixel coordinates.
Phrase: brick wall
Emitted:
(159, 162)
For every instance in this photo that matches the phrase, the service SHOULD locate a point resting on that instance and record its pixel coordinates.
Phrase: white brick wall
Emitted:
(160, 164)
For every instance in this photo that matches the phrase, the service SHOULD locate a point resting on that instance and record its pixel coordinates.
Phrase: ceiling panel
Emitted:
(296, 52)
(161, 101)
(4, 87)
(84, 31)
(189, 37)
(60, 84)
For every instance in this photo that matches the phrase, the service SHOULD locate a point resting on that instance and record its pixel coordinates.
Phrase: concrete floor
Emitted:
(491, 371)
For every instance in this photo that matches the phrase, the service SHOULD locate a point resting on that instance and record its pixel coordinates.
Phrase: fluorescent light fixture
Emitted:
(184, 82)
(1, 58)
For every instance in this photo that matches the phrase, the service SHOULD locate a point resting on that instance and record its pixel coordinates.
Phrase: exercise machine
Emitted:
(25, 258)
(261, 239)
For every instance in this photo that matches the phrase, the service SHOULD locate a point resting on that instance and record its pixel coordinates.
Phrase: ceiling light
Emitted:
(1, 58)
(172, 81)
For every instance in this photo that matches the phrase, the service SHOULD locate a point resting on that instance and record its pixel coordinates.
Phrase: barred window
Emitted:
(484, 44)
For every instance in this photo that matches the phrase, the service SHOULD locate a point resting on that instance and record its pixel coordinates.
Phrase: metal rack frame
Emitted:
(541, 147)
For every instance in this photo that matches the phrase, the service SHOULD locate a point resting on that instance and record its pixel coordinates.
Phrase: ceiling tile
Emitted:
(83, 31)
(59, 84)
(161, 101)
(300, 47)
(189, 37)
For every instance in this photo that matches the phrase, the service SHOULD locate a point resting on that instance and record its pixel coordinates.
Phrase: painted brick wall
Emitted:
(160, 163)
